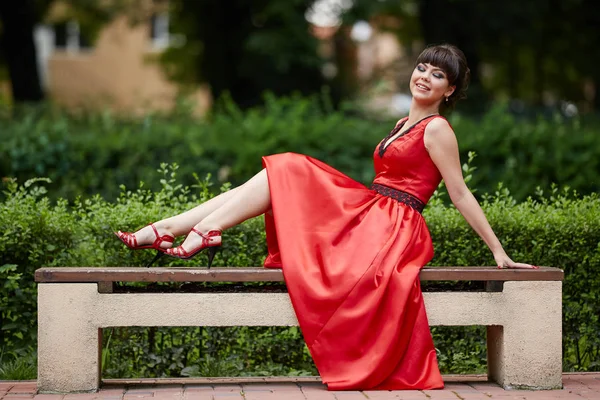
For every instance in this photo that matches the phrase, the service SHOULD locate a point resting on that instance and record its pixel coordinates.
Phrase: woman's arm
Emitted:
(441, 143)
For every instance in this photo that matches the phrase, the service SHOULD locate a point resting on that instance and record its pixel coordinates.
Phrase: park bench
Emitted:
(520, 308)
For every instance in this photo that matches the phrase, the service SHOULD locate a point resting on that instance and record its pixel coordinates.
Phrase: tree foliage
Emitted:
(539, 52)
(244, 47)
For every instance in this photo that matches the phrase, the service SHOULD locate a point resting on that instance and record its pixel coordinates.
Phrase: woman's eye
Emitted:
(421, 68)
(439, 76)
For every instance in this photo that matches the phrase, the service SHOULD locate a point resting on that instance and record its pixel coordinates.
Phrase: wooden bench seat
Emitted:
(522, 310)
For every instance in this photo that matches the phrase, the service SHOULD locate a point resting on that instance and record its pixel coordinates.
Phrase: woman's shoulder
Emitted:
(438, 123)
(438, 130)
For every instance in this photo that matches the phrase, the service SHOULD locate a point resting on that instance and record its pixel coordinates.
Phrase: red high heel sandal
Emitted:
(130, 241)
(180, 252)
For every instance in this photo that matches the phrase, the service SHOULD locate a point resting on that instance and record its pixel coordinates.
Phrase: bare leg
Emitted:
(252, 199)
(181, 224)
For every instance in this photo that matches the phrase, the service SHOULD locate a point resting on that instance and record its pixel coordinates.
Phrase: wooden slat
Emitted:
(490, 274)
(239, 274)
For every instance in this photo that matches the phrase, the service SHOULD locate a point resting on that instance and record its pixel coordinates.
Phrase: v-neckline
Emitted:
(387, 142)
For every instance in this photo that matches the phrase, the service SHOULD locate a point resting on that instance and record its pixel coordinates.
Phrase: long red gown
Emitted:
(351, 258)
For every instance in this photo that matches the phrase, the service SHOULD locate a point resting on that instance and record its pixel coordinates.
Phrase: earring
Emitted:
(447, 99)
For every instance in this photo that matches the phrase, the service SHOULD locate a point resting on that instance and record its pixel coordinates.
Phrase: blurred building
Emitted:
(118, 71)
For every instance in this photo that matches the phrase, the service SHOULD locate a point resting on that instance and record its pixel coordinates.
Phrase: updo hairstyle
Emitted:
(453, 62)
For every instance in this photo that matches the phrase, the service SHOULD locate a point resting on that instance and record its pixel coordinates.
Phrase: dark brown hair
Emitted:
(453, 62)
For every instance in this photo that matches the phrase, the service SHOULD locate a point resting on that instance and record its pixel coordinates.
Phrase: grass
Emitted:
(18, 368)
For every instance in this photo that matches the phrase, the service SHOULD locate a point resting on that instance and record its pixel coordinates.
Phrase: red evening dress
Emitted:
(351, 257)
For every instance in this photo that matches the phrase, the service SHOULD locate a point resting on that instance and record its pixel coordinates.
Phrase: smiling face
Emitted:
(441, 72)
(429, 84)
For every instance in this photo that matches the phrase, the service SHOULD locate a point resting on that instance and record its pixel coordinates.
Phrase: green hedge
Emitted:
(85, 154)
(527, 154)
(558, 229)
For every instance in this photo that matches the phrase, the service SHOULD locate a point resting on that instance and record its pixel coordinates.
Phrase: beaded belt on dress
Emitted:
(400, 196)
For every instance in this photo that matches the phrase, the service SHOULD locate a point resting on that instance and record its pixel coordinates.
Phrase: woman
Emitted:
(351, 255)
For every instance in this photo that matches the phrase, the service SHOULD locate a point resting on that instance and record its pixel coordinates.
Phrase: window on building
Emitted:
(159, 30)
(68, 36)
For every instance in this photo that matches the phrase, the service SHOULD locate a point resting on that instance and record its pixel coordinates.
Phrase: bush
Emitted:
(526, 154)
(34, 233)
(555, 229)
(90, 153)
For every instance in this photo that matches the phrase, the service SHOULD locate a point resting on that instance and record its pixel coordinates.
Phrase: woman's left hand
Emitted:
(504, 261)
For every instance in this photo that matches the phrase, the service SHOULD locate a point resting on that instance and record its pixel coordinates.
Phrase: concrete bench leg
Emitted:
(69, 342)
(526, 352)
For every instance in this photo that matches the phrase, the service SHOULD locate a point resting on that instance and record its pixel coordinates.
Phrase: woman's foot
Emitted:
(196, 241)
(149, 237)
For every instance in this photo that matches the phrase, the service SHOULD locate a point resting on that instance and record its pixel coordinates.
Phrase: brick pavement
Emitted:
(576, 387)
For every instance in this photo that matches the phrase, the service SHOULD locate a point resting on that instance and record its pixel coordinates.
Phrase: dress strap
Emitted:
(391, 137)
(400, 196)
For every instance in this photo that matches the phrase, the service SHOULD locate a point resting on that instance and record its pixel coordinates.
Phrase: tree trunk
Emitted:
(19, 50)
(223, 30)
(345, 83)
